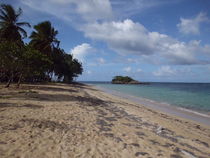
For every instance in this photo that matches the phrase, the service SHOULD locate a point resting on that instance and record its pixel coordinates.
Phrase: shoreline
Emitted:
(197, 116)
(73, 120)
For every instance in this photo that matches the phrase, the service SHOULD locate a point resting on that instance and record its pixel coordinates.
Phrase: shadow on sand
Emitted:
(84, 100)
(56, 89)
(12, 105)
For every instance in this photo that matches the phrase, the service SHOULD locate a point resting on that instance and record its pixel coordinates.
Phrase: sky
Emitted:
(149, 40)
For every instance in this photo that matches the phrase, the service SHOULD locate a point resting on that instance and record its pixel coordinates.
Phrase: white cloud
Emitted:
(125, 37)
(101, 60)
(128, 37)
(79, 52)
(127, 8)
(164, 71)
(92, 10)
(127, 69)
(89, 72)
(121, 36)
(139, 70)
(131, 60)
(88, 10)
(192, 26)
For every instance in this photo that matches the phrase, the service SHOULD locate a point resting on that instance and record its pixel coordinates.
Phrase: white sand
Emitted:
(61, 120)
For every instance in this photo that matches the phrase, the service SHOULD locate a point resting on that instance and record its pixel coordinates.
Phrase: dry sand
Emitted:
(60, 120)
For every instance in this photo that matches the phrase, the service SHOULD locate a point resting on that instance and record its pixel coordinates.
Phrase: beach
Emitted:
(77, 120)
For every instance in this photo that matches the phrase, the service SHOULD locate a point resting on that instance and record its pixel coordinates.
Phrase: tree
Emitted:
(58, 62)
(64, 66)
(10, 28)
(10, 54)
(77, 68)
(11, 34)
(122, 79)
(37, 61)
(34, 65)
(72, 68)
(44, 38)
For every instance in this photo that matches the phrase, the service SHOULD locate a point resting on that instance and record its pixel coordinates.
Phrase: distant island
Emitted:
(124, 80)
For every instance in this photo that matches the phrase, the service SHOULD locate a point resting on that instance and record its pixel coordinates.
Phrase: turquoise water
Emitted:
(194, 96)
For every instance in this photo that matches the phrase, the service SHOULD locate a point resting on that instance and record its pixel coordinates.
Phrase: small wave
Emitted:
(200, 117)
(195, 112)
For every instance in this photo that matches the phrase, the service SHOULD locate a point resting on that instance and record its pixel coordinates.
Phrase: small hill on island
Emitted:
(124, 80)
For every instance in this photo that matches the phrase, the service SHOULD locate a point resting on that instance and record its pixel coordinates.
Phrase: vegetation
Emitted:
(10, 28)
(124, 80)
(41, 59)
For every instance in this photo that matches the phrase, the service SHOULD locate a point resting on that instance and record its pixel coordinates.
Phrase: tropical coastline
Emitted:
(197, 116)
(77, 120)
(189, 96)
(156, 98)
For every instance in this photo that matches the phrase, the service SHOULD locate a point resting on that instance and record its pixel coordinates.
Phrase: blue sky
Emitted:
(149, 40)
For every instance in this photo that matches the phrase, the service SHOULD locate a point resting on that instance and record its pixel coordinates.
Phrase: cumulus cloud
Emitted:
(164, 71)
(127, 37)
(79, 52)
(192, 26)
(122, 36)
(127, 69)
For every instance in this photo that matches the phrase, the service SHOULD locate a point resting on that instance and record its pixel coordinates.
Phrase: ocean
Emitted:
(188, 96)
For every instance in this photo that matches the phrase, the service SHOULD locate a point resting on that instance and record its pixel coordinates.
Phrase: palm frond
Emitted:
(3, 11)
(23, 24)
(10, 12)
(9, 24)
(23, 32)
(3, 18)
(19, 12)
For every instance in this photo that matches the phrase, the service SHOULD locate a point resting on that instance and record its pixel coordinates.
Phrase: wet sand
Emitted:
(201, 117)
(60, 120)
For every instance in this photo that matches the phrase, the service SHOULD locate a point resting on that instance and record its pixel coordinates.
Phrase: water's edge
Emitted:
(199, 117)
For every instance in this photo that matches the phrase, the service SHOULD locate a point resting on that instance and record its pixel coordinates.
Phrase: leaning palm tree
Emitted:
(10, 28)
(44, 37)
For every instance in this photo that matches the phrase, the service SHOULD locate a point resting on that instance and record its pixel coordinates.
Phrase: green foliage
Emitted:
(37, 61)
(122, 79)
(34, 64)
(72, 68)
(10, 53)
(18, 60)
(10, 28)
(44, 37)
(64, 66)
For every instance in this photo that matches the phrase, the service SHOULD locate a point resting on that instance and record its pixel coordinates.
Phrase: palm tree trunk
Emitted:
(9, 81)
(19, 80)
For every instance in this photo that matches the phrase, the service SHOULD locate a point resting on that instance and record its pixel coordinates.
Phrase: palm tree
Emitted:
(72, 68)
(44, 38)
(10, 28)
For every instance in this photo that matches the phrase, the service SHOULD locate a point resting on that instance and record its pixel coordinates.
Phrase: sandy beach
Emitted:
(75, 120)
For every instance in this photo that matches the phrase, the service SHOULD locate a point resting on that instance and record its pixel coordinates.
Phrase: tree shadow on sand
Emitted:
(84, 86)
(51, 125)
(84, 100)
(12, 105)
(56, 89)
